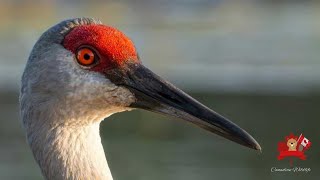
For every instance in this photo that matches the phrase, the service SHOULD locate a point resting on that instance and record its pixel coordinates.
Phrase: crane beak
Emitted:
(157, 95)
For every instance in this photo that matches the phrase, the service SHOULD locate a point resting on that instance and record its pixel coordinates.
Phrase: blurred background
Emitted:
(253, 61)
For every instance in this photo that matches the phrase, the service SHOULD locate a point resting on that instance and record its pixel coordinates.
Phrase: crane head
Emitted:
(84, 68)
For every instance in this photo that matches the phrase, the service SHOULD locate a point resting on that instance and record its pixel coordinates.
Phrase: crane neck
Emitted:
(70, 152)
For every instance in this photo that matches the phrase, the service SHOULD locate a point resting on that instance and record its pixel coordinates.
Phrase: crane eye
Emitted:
(86, 56)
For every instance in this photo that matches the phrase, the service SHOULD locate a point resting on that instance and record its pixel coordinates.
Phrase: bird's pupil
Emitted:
(86, 56)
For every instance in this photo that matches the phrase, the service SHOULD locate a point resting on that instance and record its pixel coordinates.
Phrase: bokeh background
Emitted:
(254, 61)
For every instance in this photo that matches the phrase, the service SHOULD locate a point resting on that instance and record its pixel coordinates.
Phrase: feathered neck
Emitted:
(70, 152)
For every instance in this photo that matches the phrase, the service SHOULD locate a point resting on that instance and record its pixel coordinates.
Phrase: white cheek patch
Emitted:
(90, 93)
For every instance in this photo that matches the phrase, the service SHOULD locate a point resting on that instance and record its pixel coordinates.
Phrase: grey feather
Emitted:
(62, 105)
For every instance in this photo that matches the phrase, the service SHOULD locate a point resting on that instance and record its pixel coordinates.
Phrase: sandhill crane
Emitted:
(80, 72)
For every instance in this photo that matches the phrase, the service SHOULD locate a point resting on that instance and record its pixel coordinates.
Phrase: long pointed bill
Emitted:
(157, 95)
